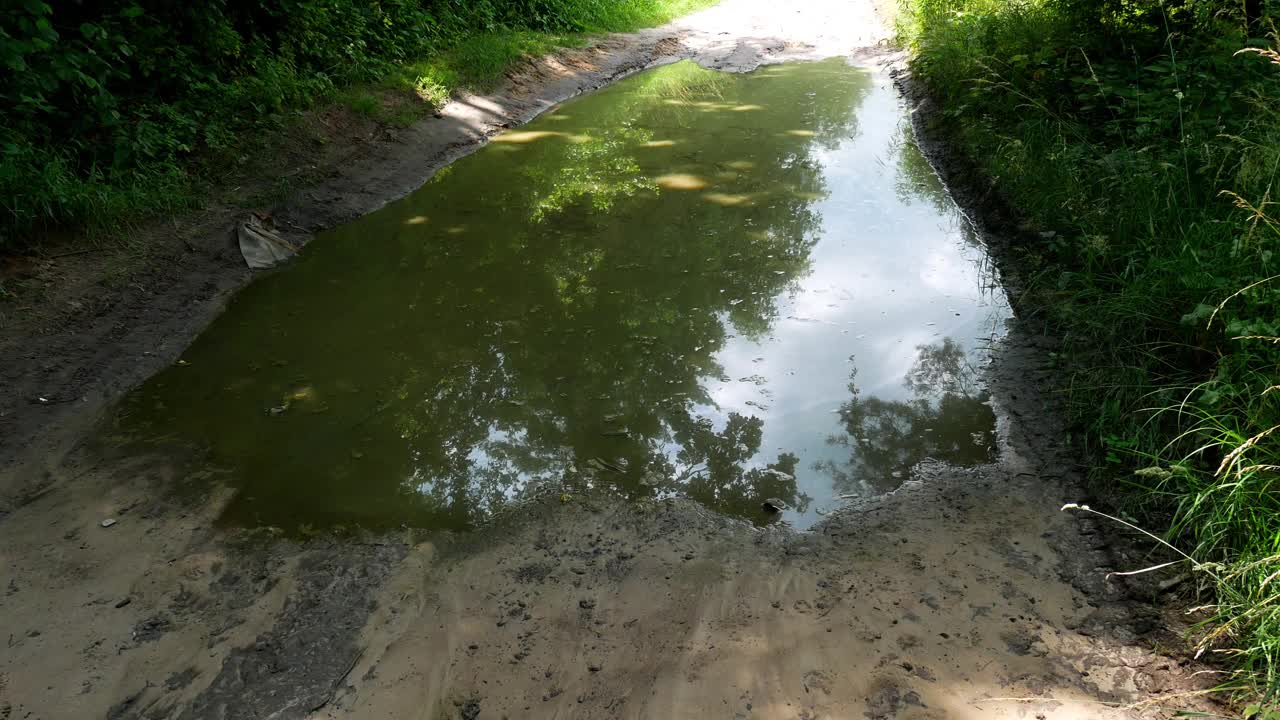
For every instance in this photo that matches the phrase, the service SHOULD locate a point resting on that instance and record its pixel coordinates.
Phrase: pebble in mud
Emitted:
(469, 710)
(888, 702)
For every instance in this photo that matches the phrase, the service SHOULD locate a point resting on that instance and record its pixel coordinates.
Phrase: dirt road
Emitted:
(965, 594)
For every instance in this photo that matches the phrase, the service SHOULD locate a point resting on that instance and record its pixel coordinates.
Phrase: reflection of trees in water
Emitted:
(517, 318)
(945, 420)
(597, 169)
(713, 468)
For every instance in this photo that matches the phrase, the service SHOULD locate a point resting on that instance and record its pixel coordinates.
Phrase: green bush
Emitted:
(105, 104)
(1115, 126)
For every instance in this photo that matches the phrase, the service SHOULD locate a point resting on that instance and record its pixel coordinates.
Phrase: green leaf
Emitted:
(1199, 315)
(1209, 398)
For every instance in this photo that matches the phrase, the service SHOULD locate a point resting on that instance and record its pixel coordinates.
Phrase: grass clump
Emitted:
(113, 110)
(1141, 140)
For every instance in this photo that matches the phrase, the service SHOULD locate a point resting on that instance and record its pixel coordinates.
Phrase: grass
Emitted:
(1142, 147)
(477, 63)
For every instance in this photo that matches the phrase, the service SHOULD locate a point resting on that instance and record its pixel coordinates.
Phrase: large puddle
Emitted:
(746, 289)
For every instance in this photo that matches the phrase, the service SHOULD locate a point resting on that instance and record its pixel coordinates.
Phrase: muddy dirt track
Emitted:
(963, 594)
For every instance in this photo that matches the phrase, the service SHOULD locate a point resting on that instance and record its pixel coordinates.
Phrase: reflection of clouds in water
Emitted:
(887, 280)
(950, 271)
(733, 395)
(818, 328)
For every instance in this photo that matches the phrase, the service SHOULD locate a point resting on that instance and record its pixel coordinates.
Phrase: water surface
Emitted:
(746, 289)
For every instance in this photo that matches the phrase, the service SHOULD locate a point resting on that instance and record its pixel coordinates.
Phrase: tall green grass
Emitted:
(1143, 148)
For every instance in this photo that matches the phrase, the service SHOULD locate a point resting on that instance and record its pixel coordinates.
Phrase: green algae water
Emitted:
(748, 289)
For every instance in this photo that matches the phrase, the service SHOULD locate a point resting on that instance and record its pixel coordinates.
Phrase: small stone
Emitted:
(108, 522)
(593, 668)
(586, 604)
(124, 602)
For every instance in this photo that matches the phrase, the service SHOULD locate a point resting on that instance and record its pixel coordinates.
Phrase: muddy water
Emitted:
(747, 289)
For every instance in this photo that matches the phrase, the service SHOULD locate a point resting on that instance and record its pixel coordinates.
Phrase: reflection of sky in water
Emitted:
(575, 301)
(888, 275)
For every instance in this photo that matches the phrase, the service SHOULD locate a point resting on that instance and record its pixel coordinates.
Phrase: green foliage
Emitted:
(106, 104)
(1116, 127)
